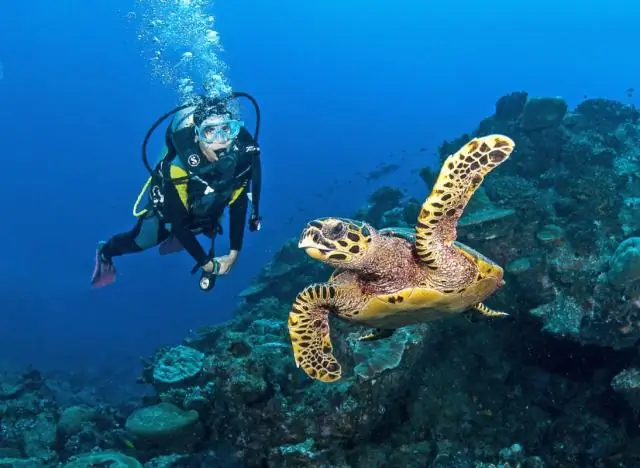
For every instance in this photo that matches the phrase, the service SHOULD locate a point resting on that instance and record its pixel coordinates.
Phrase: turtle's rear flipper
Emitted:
(487, 312)
(309, 332)
(377, 334)
(481, 312)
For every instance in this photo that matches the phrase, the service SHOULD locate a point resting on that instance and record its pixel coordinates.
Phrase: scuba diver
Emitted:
(209, 160)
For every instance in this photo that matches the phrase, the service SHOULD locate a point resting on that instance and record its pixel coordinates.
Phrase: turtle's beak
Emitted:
(309, 242)
(316, 254)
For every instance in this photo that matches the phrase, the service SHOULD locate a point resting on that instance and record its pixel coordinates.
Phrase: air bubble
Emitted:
(212, 36)
(167, 29)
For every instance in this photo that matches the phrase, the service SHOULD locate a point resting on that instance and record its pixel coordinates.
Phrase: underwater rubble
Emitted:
(556, 383)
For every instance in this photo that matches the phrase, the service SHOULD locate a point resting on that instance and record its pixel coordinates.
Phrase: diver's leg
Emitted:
(144, 235)
(147, 232)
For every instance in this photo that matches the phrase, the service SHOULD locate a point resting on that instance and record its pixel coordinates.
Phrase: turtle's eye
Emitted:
(336, 231)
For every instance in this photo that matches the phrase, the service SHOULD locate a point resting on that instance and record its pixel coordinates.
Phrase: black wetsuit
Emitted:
(194, 195)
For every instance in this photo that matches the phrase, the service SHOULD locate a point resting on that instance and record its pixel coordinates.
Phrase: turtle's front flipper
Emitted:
(377, 334)
(487, 312)
(460, 176)
(309, 329)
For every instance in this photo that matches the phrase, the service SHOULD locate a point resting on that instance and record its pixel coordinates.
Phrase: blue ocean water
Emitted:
(343, 88)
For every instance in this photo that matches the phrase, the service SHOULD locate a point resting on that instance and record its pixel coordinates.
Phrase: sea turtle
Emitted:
(389, 279)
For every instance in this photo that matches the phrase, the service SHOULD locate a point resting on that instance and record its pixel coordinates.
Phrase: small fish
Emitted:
(381, 171)
(127, 443)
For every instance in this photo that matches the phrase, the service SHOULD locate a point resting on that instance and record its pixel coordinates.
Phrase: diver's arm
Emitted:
(190, 243)
(256, 185)
(237, 218)
(193, 248)
(252, 148)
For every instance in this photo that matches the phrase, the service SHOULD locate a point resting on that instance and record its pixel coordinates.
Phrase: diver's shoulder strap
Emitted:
(188, 150)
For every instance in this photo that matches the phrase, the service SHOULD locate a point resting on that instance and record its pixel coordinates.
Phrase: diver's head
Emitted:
(215, 126)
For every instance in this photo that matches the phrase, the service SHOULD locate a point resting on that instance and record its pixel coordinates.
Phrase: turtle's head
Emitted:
(339, 242)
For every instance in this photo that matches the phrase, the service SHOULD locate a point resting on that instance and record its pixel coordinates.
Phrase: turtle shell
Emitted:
(415, 305)
(420, 304)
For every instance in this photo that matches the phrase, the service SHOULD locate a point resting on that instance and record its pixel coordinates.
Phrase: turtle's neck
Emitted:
(382, 254)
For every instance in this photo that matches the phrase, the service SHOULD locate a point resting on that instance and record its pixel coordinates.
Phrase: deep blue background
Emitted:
(343, 85)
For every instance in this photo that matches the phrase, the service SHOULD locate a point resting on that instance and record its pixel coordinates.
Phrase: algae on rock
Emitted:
(161, 423)
(178, 364)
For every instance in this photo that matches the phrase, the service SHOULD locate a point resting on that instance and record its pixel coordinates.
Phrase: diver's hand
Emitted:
(255, 222)
(226, 262)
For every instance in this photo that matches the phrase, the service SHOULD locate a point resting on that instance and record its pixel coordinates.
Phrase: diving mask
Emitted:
(220, 131)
